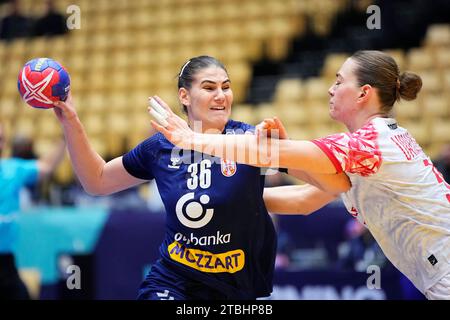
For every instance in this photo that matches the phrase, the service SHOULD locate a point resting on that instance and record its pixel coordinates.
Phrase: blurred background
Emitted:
(281, 55)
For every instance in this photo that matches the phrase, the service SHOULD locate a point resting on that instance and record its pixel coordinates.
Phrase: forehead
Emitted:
(212, 73)
(347, 68)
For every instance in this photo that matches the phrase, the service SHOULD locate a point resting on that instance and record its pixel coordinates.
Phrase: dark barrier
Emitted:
(127, 243)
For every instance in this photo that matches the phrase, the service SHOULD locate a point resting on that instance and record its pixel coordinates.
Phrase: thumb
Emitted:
(60, 104)
(259, 129)
(58, 113)
(283, 133)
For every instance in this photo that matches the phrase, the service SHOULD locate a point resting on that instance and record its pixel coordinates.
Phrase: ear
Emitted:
(365, 93)
(183, 95)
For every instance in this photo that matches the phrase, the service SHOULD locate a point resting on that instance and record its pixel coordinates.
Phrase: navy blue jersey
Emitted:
(218, 231)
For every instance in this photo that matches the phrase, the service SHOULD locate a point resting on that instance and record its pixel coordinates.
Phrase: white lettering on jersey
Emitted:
(216, 239)
(407, 145)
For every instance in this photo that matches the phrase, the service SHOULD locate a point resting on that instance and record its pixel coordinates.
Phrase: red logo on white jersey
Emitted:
(357, 152)
(36, 91)
(354, 212)
(228, 167)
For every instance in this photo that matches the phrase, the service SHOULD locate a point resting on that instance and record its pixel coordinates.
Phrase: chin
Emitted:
(214, 124)
(220, 119)
(332, 115)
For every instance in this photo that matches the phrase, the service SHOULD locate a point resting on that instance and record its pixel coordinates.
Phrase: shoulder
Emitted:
(357, 152)
(365, 138)
(17, 163)
(147, 149)
(154, 142)
(20, 169)
(369, 133)
(238, 125)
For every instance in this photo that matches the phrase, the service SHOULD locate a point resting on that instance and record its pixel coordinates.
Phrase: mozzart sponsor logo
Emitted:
(230, 262)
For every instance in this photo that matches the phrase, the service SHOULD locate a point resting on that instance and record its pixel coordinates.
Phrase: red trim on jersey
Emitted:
(330, 155)
(357, 152)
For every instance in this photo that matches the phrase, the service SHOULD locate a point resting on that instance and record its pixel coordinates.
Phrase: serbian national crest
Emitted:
(228, 167)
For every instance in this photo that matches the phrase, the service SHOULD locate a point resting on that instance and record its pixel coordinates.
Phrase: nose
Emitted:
(331, 90)
(220, 95)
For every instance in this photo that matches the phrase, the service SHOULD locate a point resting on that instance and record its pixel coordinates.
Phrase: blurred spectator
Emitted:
(15, 24)
(153, 199)
(360, 250)
(284, 245)
(50, 24)
(15, 173)
(22, 148)
(442, 163)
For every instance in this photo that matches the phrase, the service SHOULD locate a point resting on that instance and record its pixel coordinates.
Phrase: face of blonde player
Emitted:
(344, 93)
(209, 99)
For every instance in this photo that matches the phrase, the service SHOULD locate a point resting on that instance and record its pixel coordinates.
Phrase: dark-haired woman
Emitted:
(220, 242)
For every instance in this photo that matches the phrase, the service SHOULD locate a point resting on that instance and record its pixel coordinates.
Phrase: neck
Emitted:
(361, 120)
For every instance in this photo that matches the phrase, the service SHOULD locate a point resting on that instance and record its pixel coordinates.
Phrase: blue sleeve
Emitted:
(27, 171)
(241, 127)
(247, 127)
(139, 161)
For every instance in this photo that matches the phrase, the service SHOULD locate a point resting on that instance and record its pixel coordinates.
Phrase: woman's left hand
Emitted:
(271, 127)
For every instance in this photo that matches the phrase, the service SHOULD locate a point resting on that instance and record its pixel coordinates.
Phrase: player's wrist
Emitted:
(71, 121)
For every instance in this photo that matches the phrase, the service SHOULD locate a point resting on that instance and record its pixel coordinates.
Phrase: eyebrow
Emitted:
(213, 82)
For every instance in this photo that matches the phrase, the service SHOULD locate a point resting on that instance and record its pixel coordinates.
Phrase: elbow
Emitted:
(344, 185)
(341, 189)
(95, 191)
(304, 210)
(338, 188)
(97, 187)
(91, 191)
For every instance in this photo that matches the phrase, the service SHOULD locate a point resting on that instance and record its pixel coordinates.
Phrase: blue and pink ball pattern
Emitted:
(43, 81)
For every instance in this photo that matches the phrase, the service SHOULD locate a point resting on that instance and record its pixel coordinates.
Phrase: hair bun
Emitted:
(410, 85)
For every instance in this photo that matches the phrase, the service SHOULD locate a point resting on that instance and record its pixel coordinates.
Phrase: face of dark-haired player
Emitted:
(209, 99)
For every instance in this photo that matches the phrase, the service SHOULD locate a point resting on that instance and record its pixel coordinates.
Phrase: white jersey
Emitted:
(398, 194)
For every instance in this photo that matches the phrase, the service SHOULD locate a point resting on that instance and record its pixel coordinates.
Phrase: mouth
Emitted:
(217, 108)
